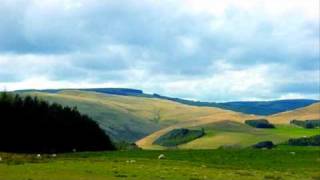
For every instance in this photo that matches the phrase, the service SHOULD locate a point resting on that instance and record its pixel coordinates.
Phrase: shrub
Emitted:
(30, 125)
(178, 136)
(123, 145)
(309, 124)
(259, 123)
(264, 144)
(305, 141)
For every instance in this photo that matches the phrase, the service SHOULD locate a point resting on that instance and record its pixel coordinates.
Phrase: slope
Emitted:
(306, 113)
(131, 118)
(217, 135)
(248, 107)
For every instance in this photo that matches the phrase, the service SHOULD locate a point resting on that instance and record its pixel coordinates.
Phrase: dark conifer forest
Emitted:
(30, 125)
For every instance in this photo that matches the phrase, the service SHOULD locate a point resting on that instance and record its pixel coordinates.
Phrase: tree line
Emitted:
(31, 125)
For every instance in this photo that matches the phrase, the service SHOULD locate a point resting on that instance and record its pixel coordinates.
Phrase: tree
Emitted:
(30, 125)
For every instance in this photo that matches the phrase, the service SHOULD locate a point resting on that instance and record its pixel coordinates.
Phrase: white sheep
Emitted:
(0, 158)
(38, 156)
(161, 156)
(293, 153)
(54, 155)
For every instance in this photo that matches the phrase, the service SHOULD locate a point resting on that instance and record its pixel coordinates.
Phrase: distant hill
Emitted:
(249, 107)
(311, 112)
(267, 107)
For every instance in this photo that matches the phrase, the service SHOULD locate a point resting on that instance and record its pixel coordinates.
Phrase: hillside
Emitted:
(131, 118)
(144, 119)
(221, 136)
(248, 107)
(311, 112)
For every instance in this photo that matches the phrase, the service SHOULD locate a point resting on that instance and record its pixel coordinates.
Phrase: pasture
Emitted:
(246, 164)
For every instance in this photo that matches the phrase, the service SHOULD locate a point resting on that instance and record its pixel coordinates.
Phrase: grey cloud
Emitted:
(106, 41)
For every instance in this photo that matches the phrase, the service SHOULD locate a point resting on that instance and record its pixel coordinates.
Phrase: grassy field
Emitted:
(244, 164)
(232, 133)
(221, 135)
(236, 134)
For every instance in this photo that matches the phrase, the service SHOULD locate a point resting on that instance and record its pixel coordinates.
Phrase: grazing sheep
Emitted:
(293, 153)
(54, 155)
(38, 156)
(0, 159)
(74, 150)
(161, 156)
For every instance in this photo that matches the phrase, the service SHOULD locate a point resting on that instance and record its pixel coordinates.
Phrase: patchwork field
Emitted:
(246, 164)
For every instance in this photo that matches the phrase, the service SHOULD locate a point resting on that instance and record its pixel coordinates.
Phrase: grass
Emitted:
(246, 137)
(179, 164)
(228, 133)
(216, 137)
(307, 113)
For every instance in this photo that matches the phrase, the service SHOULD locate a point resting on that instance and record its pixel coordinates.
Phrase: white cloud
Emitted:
(196, 49)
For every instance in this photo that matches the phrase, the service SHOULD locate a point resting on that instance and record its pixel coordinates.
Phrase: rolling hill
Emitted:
(235, 133)
(131, 118)
(144, 119)
(311, 112)
(248, 107)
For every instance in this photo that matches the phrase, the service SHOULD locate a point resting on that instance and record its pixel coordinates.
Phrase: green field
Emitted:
(229, 133)
(243, 136)
(244, 164)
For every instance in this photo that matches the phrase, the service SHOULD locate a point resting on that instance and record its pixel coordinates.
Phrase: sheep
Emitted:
(54, 155)
(161, 156)
(38, 156)
(0, 159)
(293, 153)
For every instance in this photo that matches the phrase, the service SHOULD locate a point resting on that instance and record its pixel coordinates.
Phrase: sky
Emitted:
(208, 50)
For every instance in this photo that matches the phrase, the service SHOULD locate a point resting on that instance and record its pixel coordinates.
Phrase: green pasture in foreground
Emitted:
(279, 163)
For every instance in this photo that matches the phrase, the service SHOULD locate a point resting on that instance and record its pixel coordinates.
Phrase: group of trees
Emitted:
(305, 141)
(30, 125)
(259, 123)
(179, 136)
(308, 124)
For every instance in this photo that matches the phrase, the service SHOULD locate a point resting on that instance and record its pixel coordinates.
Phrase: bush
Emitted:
(308, 124)
(259, 123)
(123, 145)
(30, 125)
(264, 144)
(178, 136)
(305, 141)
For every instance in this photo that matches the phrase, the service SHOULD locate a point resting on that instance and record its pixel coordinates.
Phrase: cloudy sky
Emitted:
(208, 50)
